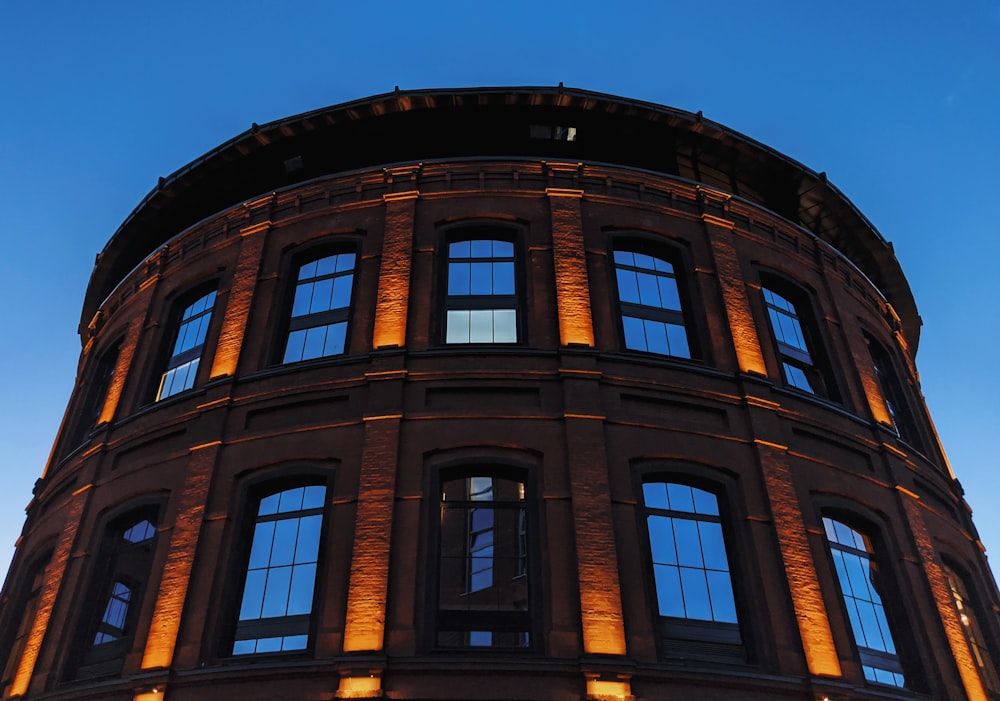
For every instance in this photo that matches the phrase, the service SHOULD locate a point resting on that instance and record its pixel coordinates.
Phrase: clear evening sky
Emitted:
(899, 102)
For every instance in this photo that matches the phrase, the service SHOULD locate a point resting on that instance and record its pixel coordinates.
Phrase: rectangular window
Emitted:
(483, 598)
(481, 304)
(892, 393)
(694, 590)
(803, 363)
(189, 342)
(277, 599)
(856, 574)
(317, 326)
(651, 313)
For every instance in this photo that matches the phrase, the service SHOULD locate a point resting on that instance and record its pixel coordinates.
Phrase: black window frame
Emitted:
(813, 361)
(974, 624)
(709, 640)
(515, 302)
(237, 628)
(172, 360)
(128, 563)
(675, 258)
(98, 383)
(23, 606)
(895, 396)
(520, 626)
(290, 323)
(886, 586)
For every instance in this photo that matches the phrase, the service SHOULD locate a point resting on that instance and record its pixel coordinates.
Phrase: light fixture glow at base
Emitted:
(603, 690)
(360, 687)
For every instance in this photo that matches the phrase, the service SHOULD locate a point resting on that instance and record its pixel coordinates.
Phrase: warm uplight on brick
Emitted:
(360, 687)
(576, 326)
(240, 297)
(394, 273)
(602, 690)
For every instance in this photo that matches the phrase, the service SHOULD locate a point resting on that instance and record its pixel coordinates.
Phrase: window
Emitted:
(857, 575)
(182, 366)
(277, 597)
(652, 319)
(97, 392)
(892, 393)
(125, 561)
(317, 327)
(27, 606)
(483, 597)
(969, 617)
(481, 304)
(694, 590)
(796, 337)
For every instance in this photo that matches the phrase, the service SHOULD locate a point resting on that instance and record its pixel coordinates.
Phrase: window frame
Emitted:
(253, 493)
(694, 637)
(169, 360)
(516, 302)
(445, 620)
(300, 258)
(894, 394)
(814, 360)
(99, 378)
(21, 610)
(115, 563)
(676, 259)
(989, 674)
(888, 583)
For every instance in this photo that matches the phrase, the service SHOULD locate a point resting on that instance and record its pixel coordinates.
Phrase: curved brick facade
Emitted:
(534, 393)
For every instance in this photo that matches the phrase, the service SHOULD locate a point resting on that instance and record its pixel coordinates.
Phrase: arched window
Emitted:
(99, 381)
(124, 566)
(797, 338)
(483, 573)
(857, 575)
(651, 311)
(968, 615)
(24, 608)
(694, 589)
(481, 305)
(892, 393)
(187, 346)
(276, 601)
(318, 320)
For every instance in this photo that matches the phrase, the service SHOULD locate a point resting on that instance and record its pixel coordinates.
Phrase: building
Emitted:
(506, 393)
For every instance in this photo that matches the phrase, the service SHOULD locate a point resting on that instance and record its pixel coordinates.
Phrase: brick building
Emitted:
(508, 393)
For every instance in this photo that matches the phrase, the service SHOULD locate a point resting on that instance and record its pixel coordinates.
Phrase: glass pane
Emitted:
(276, 592)
(643, 261)
(482, 278)
(635, 333)
(661, 540)
(269, 645)
(649, 292)
(314, 497)
(336, 337)
(301, 592)
(696, 604)
(668, 590)
(721, 590)
(688, 545)
(260, 551)
(681, 497)
(326, 266)
(480, 326)
(315, 341)
(295, 642)
(244, 647)
(322, 291)
(712, 546)
(295, 347)
(705, 502)
(669, 297)
(269, 504)
(307, 546)
(624, 257)
(656, 337)
(505, 326)
(460, 249)
(253, 595)
(285, 534)
(482, 248)
(677, 340)
(457, 326)
(503, 249)
(307, 271)
(459, 278)
(290, 500)
(655, 495)
(342, 292)
(345, 261)
(503, 278)
(628, 286)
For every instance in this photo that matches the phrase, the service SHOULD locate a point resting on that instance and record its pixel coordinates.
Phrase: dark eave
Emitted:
(405, 126)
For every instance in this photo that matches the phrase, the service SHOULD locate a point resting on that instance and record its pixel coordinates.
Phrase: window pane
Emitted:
(635, 333)
(336, 337)
(661, 540)
(695, 588)
(481, 326)
(482, 278)
(628, 286)
(307, 544)
(342, 292)
(503, 278)
(313, 497)
(504, 326)
(688, 545)
(315, 341)
(459, 278)
(460, 249)
(713, 548)
(457, 326)
(705, 502)
(656, 337)
(260, 551)
(322, 291)
(253, 595)
(290, 500)
(655, 495)
(668, 591)
(301, 591)
(681, 497)
(649, 292)
(503, 249)
(481, 248)
(677, 341)
(276, 592)
(295, 347)
(721, 590)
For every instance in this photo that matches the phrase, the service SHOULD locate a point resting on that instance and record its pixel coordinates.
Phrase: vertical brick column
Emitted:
(944, 600)
(803, 582)
(369, 583)
(234, 320)
(54, 574)
(162, 638)
(122, 365)
(394, 273)
(742, 328)
(593, 522)
(576, 326)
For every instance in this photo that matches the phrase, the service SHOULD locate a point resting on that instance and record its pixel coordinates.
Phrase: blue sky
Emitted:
(897, 102)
